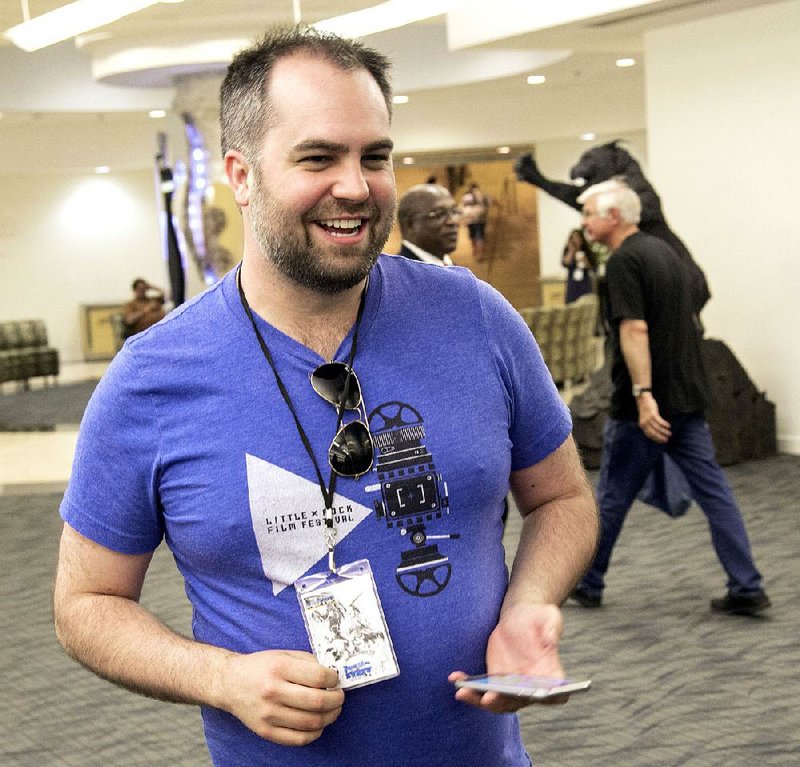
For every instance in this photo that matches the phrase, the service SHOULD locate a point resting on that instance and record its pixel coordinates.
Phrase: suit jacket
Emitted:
(408, 253)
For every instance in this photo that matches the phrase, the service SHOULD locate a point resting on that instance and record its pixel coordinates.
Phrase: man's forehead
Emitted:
(590, 204)
(437, 197)
(303, 74)
(320, 102)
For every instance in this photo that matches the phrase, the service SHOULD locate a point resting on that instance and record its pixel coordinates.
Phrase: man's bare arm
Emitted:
(558, 540)
(281, 695)
(559, 530)
(634, 340)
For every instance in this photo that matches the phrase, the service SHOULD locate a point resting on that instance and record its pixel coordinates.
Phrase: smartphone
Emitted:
(535, 687)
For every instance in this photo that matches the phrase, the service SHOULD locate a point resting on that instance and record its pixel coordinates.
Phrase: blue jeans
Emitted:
(628, 458)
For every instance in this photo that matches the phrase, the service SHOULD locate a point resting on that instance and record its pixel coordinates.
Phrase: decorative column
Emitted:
(208, 216)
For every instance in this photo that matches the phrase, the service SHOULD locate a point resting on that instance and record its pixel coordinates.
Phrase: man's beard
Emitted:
(297, 257)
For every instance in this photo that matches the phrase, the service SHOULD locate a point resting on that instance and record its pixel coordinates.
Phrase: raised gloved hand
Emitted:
(526, 170)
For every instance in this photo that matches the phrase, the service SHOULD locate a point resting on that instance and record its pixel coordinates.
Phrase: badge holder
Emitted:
(346, 625)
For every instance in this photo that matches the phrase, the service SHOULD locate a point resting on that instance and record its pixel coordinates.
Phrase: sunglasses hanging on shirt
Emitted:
(351, 451)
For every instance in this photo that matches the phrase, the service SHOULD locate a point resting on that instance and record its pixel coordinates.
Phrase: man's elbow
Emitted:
(63, 625)
(633, 328)
(65, 609)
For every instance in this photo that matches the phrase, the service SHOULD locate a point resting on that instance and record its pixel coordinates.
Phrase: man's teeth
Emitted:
(347, 224)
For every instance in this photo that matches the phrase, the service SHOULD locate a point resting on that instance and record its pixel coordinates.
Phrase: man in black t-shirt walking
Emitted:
(659, 395)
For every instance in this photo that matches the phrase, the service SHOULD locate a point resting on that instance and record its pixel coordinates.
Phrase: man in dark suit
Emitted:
(429, 219)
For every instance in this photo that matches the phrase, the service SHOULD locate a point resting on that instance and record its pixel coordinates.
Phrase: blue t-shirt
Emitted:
(188, 438)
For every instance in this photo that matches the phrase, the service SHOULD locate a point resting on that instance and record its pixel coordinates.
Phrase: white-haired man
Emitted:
(659, 395)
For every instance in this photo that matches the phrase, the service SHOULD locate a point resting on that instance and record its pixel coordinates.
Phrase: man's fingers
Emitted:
(496, 702)
(304, 669)
(303, 720)
(311, 699)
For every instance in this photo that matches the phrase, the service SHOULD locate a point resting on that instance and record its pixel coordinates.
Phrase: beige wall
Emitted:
(69, 240)
(723, 105)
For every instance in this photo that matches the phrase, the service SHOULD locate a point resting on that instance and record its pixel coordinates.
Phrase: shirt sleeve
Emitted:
(539, 421)
(112, 495)
(624, 283)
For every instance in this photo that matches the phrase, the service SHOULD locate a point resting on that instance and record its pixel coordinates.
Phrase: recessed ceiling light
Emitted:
(381, 17)
(504, 150)
(626, 62)
(399, 99)
(536, 79)
(408, 161)
(70, 20)
(588, 136)
(100, 169)
(156, 114)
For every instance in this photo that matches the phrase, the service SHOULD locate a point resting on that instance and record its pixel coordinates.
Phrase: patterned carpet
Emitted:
(674, 684)
(46, 408)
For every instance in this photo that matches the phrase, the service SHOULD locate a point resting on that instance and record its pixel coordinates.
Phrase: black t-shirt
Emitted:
(648, 281)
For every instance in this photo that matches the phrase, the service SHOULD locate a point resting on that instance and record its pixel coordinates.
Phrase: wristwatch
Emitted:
(638, 390)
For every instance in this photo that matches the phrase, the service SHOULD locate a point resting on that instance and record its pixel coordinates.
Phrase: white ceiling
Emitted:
(55, 86)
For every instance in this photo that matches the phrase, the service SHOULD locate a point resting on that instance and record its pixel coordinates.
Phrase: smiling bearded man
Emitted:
(302, 260)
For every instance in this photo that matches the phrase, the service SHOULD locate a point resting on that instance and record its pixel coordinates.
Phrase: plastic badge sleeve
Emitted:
(346, 625)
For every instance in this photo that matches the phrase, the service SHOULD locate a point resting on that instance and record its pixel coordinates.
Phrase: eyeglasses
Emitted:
(440, 215)
(351, 452)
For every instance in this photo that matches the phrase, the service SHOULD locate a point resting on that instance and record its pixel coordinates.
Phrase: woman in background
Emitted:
(474, 205)
(580, 263)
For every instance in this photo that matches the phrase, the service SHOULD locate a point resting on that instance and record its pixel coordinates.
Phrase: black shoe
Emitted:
(742, 604)
(585, 599)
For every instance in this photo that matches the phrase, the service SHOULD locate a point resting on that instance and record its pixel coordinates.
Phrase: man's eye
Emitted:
(376, 160)
(315, 159)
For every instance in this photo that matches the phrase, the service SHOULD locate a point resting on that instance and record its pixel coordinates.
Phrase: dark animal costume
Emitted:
(666, 488)
(607, 161)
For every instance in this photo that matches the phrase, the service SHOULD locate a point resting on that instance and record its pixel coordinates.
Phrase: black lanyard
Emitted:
(327, 492)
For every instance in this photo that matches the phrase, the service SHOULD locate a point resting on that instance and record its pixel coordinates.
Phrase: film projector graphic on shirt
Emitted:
(412, 496)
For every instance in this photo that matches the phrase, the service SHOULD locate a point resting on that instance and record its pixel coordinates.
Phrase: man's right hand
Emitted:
(284, 696)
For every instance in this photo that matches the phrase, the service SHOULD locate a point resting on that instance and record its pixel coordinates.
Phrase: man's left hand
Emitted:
(525, 641)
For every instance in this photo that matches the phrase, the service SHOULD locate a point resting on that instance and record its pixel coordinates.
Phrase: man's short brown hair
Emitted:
(245, 111)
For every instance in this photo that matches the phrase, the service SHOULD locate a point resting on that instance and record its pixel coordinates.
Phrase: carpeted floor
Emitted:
(45, 409)
(674, 684)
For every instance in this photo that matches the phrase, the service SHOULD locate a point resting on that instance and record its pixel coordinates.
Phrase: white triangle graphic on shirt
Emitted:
(286, 511)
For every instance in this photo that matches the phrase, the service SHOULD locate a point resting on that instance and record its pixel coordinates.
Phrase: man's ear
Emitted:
(238, 173)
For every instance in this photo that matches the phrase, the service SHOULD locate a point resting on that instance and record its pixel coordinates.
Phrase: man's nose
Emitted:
(351, 183)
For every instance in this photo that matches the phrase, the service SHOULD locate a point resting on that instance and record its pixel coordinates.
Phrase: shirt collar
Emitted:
(428, 258)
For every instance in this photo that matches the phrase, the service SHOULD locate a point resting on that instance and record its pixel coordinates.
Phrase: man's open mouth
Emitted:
(342, 227)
